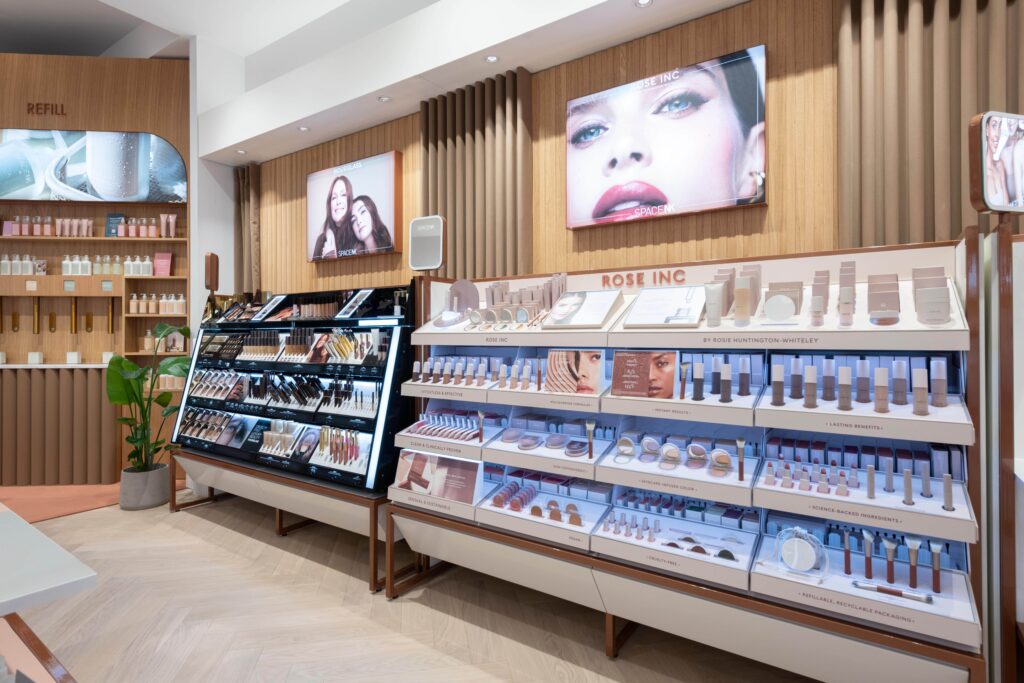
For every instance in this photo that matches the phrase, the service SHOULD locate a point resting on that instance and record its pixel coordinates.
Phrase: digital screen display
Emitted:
(78, 165)
(686, 140)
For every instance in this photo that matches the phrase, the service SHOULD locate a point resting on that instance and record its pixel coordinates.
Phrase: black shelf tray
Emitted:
(362, 424)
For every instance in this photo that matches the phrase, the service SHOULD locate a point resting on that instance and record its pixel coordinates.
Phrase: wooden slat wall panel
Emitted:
(92, 427)
(8, 425)
(39, 424)
(66, 402)
(51, 438)
(110, 443)
(23, 410)
(801, 116)
(283, 211)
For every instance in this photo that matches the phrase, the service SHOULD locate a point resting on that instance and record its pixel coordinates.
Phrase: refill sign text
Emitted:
(638, 279)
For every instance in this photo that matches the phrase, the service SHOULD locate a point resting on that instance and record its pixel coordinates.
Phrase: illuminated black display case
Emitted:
(306, 383)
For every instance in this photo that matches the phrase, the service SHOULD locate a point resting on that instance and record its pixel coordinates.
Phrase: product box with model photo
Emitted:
(451, 486)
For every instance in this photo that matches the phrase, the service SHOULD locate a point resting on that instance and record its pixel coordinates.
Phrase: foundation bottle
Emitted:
(741, 306)
(726, 394)
(778, 385)
(796, 378)
(863, 381)
(828, 380)
(899, 383)
(744, 376)
(920, 380)
(811, 387)
(940, 384)
(698, 381)
(817, 311)
(881, 390)
(716, 375)
(845, 388)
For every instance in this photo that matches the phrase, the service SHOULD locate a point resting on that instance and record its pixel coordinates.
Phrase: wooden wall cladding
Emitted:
(801, 118)
(98, 93)
(283, 212)
(57, 427)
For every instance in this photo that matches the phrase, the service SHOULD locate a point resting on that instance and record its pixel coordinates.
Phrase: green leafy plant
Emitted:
(131, 385)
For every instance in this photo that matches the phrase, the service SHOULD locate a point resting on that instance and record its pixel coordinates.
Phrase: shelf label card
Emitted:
(31, 285)
(106, 285)
(69, 285)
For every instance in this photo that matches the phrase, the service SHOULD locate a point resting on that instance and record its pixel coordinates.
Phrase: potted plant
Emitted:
(145, 483)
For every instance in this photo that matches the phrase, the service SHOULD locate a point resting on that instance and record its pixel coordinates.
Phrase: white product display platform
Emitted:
(542, 527)
(454, 392)
(951, 617)
(682, 560)
(423, 501)
(532, 398)
(33, 569)
(950, 424)
(438, 446)
(886, 510)
(739, 411)
(797, 333)
(680, 481)
(544, 459)
(458, 335)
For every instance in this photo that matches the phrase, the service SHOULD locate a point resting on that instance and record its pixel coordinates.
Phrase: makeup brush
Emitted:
(885, 590)
(913, 546)
(740, 444)
(591, 424)
(890, 560)
(869, 545)
(936, 549)
(846, 553)
(480, 424)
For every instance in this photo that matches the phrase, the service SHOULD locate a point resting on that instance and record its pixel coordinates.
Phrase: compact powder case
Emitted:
(721, 462)
(528, 442)
(576, 448)
(779, 308)
(625, 449)
(669, 456)
(696, 456)
(799, 554)
(556, 441)
(474, 319)
(650, 449)
(511, 434)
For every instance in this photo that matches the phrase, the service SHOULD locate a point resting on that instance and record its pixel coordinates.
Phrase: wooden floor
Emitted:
(211, 594)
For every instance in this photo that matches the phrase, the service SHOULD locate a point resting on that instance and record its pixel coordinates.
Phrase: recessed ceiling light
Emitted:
(491, 58)
(383, 98)
(304, 129)
(643, 3)
(240, 151)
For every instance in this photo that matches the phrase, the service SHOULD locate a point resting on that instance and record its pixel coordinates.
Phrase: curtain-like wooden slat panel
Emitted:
(80, 417)
(92, 431)
(482, 134)
(24, 411)
(8, 426)
(941, 178)
(915, 123)
(66, 403)
(869, 134)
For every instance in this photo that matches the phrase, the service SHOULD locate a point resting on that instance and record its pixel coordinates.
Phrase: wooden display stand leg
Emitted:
(377, 582)
(613, 641)
(172, 503)
(279, 525)
(419, 568)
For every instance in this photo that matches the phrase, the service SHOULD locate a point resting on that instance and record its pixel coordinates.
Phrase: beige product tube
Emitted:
(940, 384)
(845, 388)
(899, 383)
(881, 390)
(811, 387)
(920, 381)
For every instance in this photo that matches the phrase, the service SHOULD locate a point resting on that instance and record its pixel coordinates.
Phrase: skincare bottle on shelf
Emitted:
(106, 264)
(940, 384)
(86, 266)
(920, 381)
(133, 227)
(115, 267)
(5, 265)
(828, 379)
(845, 388)
(16, 265)
(778, 385)
(48, 227)
(173, 221)
(65, 265)
(881, 390)
(899, 382)
(76, 265)
(122, 228)
(181, 305)
(863, 381)
(744, 297)
(153, 230)
(147, 267)
(147, 341)
(133, 304)
(811, 386)
(37, 226)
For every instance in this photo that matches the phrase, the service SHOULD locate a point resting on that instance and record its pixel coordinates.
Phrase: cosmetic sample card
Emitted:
(319, 353)
(644, 374)
(575, 371)
(350, 308)
(581, 310)
(306, 445)
(237, 429)
(268, 308)
(253, 442)
(667, 307)
(438, 476)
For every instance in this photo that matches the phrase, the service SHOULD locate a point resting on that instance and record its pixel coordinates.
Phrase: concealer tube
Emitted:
(908, 487)
(899, 383)
(716, 375)
(828, 380)
(741, 452)
(920, 380)
(726, 374)
(744, 376)
(778, 385)
(863, 381)
(415, 371)
(496, 366)
(698, 381)
(796, 378)
(446, 378)
(881, 390)
(845, 388)
(811, 387)
(926, 479)
(684, 370)
(940, 385)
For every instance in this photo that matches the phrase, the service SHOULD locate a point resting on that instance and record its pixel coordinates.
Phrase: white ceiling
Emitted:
(62, 27)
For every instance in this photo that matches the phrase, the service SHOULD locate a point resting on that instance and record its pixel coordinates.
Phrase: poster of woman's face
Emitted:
(354, 209)
(687, 140)
(1003, 166)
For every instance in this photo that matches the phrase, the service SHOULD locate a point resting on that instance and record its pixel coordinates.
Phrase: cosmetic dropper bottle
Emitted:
(744, 376)
(796, 378)
(863, 381)
(828, 379)
(811, 386)
(845, 388)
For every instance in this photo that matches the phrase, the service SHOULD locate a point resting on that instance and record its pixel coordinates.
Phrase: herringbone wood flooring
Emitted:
(212, 594)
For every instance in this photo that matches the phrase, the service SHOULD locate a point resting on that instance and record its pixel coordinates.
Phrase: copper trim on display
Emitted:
(39, 650)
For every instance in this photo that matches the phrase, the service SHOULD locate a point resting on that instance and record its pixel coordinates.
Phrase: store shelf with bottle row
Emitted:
(69, 241)
(62, 285)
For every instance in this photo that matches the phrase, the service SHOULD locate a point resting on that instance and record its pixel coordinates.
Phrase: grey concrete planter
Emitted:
(143, 490)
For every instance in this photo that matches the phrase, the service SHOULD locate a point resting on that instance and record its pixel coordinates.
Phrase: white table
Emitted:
(33, 569)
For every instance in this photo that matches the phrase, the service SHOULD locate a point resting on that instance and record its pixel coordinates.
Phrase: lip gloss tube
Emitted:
(828, 379)
(899, 382)
(845, 388)
(716, 375)
(698, 381)
(778, 385)
(940, 384)
(863, 381)
(744, 376)
(920, 378)
(811, 387)
(726, 379)
(796, 378)
(881, 390)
